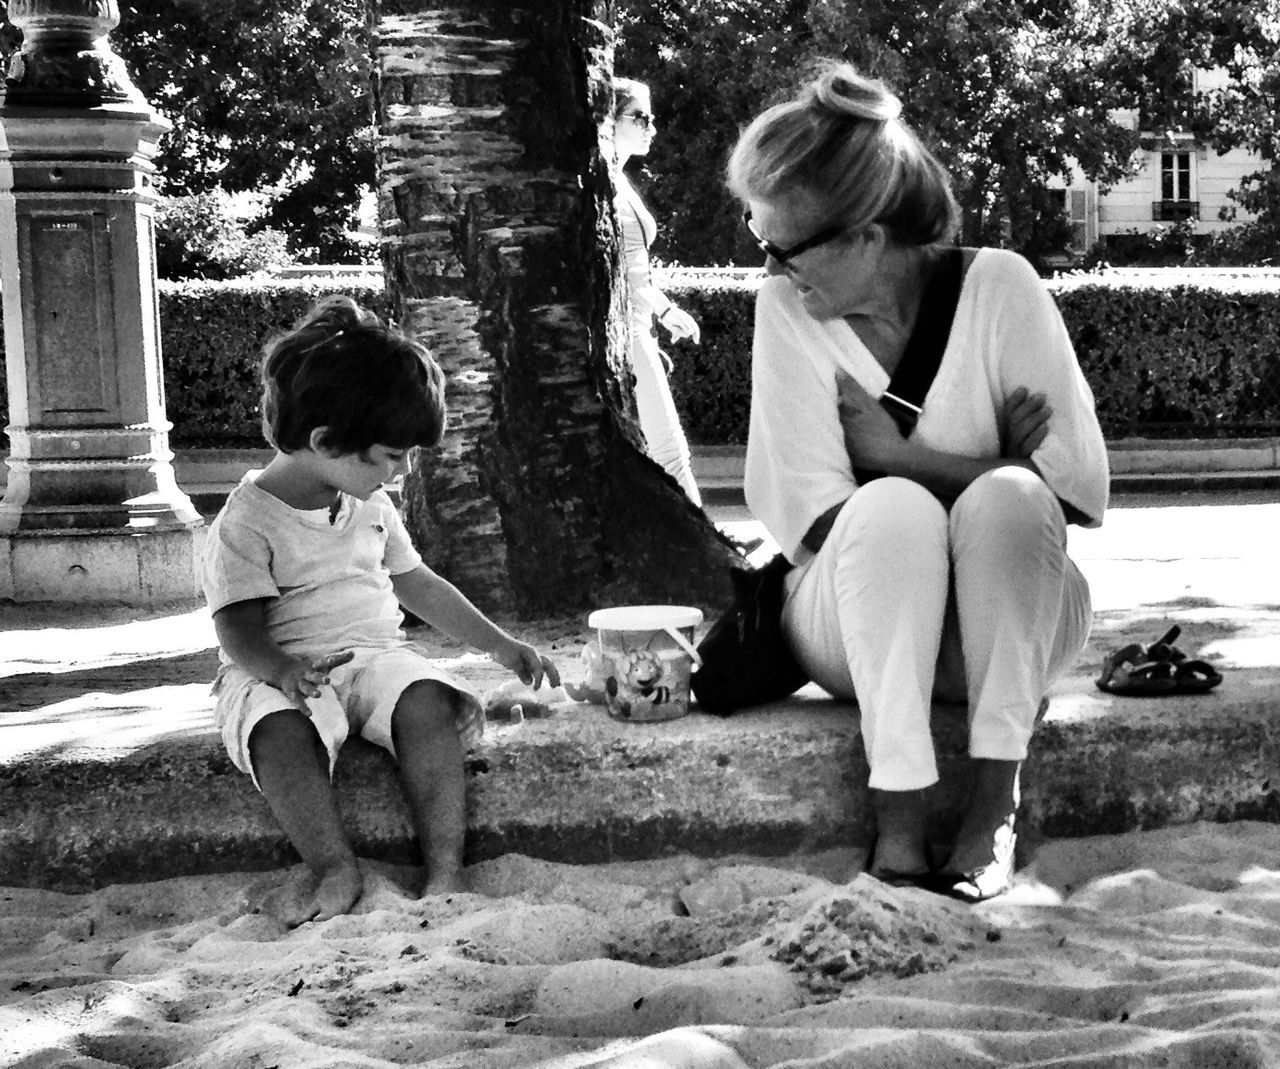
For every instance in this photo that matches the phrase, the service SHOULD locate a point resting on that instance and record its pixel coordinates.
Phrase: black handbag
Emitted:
(746, 658)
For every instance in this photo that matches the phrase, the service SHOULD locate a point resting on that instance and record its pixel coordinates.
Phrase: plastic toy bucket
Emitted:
(647, 656)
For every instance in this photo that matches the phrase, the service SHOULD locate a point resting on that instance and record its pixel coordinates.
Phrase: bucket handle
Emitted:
(684, 644)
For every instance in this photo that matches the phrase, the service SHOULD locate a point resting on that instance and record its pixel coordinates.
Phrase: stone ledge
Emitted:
(207, 473)
(720, 466)
(1141, 456)
(582, 788)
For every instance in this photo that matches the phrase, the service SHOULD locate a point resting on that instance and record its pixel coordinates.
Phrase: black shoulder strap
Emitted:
(928, 341)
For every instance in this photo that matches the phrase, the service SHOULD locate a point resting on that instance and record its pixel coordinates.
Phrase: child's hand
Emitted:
(527, 663)
(303, 679)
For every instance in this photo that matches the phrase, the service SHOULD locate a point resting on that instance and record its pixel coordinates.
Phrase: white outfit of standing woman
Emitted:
(659, 420)
(947, 577)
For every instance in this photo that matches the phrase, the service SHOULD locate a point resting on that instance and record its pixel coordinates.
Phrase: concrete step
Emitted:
(111, 768)
(148, 791)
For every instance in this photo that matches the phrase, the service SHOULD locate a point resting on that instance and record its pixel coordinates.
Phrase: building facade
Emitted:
(1177, 178)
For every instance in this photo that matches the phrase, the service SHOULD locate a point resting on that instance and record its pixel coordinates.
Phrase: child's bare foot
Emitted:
(444, 880)
(315, 896)
(288, 903)
(339, 889)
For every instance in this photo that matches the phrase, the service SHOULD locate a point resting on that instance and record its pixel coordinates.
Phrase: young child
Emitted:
(305, 569)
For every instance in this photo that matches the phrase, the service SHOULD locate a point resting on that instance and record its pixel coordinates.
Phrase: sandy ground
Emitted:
(1158, 948)
(1154, 948)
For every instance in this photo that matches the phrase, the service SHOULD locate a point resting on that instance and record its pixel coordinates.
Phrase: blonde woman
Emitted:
(948, 576)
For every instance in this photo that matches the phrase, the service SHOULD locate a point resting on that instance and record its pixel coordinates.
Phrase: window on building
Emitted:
(1175, 176)
(1074, 206)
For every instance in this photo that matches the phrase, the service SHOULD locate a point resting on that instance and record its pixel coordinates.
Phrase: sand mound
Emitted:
(868, 929)
(1160, 948)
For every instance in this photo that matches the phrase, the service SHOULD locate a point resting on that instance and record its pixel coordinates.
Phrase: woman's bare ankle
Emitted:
(900, 833)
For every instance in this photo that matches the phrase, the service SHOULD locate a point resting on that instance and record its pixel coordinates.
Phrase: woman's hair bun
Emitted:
(842, 141)
(338, 313)
(841, 90)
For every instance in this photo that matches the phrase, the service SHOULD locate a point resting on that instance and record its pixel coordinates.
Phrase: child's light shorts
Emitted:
(360, 699)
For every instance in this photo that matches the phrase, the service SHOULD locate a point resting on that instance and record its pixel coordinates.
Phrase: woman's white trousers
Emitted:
(907, 601)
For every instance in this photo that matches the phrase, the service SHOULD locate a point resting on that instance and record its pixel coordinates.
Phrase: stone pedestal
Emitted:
(92, 511)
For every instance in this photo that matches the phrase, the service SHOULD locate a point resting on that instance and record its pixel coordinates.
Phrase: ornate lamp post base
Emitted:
(102, 567)
(91, 511)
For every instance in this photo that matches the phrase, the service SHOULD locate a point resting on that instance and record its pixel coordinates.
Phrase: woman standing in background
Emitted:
(659, 420)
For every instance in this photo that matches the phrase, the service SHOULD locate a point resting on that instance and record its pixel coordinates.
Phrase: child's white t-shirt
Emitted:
(1007, 333)
(328, 585)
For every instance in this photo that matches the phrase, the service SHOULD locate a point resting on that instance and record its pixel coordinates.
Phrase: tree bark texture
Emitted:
(500, 247)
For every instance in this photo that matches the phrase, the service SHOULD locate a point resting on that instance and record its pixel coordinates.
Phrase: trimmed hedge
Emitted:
(211, 336)
(1196, 359)
(1200, 358)
(711, 381)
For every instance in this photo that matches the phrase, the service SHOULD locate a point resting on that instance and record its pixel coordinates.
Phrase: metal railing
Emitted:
(1173, 211)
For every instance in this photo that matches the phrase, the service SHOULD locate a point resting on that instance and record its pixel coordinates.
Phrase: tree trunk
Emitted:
(500, 247)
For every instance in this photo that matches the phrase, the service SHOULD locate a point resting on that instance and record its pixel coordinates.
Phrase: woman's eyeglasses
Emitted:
(782, 255)
(641, 118)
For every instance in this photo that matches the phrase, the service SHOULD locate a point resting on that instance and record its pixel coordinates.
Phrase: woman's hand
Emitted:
(871, 437)
(1024, 422)
(680, 324)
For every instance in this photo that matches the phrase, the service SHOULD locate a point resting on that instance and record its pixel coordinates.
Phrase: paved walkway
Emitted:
(110, 769)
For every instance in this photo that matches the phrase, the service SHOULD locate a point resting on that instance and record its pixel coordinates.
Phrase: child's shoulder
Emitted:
(246, 508)
(243, 500)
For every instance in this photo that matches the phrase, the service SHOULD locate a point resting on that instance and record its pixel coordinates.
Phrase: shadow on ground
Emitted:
(38, 690)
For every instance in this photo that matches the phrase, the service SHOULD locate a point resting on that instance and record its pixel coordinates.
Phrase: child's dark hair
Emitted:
(343, 369)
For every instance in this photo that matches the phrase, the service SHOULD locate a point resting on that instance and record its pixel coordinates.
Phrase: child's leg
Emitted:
(429, 753)
(292, 770)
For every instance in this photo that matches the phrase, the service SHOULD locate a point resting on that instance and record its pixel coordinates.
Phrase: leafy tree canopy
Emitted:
(1007, 92)
(270, 96)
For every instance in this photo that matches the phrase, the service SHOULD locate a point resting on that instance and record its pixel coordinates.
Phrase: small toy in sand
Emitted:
(514, 702)
(595, 672)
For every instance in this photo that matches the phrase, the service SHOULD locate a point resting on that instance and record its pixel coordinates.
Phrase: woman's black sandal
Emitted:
(1157, 670)
(986, 881)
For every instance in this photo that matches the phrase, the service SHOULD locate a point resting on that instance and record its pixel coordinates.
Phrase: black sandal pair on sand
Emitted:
(1157, 670)
(977, 885)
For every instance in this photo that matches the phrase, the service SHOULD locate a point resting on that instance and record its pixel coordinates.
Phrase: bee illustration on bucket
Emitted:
(641, 683)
